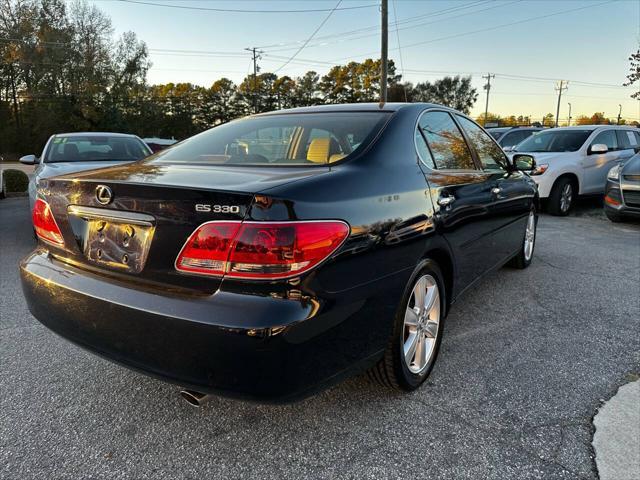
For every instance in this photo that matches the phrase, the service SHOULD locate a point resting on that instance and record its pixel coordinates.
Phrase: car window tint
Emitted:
(282, 139)
(608, 138)
(515, 138)
(627, 139)
(449, 149)
(423, 150)
(491, 155)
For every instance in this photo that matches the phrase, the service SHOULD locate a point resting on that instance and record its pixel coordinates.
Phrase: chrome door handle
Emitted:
(496, 190)
(445, 201)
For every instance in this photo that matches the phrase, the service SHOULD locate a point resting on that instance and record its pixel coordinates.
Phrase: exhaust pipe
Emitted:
(196, 399)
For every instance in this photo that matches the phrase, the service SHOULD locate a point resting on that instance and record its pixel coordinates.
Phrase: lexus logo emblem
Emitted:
(104, 195)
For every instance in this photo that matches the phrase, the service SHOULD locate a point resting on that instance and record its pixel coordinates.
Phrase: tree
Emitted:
(634, 73)
(455, 92)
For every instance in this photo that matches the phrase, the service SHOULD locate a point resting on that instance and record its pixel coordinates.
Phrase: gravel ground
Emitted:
(527, 358)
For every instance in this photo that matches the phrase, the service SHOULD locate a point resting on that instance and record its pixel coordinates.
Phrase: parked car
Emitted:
(622, 194)
(574, 161)
(76, 152)
(509, 137)
(231, 266)
(156, 144)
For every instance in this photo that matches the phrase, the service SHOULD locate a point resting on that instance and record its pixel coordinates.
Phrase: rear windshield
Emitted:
(495, 134)
(554, 141)
(89, 148)
(279, 140)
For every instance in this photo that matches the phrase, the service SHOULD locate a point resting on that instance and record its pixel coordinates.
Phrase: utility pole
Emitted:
(487, 87)
(384, 52)
(563, 85)
(256, 56)
(619, 113)
(569, 121)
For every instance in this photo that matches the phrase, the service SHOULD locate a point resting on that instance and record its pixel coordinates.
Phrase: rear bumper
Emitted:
(265, 348)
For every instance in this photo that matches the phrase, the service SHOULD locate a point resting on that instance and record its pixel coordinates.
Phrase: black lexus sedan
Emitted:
(274, 255)
(622, 192)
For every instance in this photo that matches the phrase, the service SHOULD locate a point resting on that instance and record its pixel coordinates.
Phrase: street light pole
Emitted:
(384, 52)
(569, 121)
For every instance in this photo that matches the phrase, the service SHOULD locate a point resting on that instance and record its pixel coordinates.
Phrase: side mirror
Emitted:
(598, 148)
(29, 159)
(523, 162)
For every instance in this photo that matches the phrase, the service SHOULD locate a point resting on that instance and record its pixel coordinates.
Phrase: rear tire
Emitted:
(417, 332)
(525, 255)
(562, 197)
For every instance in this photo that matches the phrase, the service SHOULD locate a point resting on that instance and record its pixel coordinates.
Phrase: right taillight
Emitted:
(45, 225)
(260, 250)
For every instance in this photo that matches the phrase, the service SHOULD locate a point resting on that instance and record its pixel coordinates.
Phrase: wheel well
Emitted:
(443, 259)
(571, 176)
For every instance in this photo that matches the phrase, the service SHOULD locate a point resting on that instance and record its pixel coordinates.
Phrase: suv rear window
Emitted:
(282, 139)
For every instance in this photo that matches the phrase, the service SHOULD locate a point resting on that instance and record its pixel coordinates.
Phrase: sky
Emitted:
(528, 44)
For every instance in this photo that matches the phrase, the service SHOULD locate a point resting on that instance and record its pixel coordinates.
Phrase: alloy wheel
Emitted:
(529, 236)
(421, 324)
(565, 197)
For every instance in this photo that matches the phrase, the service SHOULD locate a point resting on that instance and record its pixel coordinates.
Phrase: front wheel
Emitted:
(417, 333)
(523, 259)
(561, 198)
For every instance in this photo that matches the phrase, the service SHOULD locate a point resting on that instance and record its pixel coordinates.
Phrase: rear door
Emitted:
(460, 191)
(597, 165)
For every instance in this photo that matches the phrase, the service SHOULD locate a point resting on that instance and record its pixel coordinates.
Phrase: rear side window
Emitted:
(449, 149)
(280, 140)
(491, 155)
(423, 150)
(608, 137)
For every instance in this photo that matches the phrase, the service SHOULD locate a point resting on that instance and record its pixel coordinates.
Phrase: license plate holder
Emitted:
(114, 239)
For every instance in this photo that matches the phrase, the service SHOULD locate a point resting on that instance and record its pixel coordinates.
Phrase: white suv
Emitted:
(574, 161)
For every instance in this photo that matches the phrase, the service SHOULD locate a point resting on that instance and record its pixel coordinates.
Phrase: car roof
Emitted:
(355, 107)
(80, 134)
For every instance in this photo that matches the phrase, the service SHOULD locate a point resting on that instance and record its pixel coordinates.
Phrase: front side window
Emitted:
(449, 149)
(282, 140)
(554, 141)
(93, 148)
(491, 155)
(608, 138)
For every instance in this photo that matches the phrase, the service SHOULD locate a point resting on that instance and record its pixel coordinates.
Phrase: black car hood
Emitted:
(230, 178)
(632, 166)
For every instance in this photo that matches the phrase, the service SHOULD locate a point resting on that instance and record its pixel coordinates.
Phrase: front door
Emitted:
(461, 193)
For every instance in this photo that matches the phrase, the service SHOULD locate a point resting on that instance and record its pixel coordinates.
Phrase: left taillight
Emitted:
(260, 250)
(45, 224)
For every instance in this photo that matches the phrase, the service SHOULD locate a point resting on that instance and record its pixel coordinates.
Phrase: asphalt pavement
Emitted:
(527, 359)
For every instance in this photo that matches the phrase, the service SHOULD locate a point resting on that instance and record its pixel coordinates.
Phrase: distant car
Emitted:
(572, 161)
(509, 137)
(76, 152)
(157, 144)
(622, 194)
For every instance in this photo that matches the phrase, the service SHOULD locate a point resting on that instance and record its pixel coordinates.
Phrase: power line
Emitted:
(236, 10)
(472, 32)
(407, 27)
(377, 27)
(395, 17)
(309, 39)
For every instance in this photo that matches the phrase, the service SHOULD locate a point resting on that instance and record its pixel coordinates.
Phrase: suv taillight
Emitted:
(260, 250)
(45, 225)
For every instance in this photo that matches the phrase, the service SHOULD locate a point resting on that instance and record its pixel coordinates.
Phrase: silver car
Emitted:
(75, 152)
